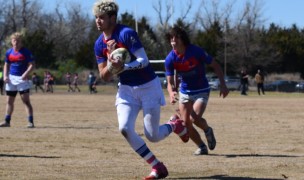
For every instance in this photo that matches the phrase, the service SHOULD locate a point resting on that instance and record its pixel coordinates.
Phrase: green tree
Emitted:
(41, 49)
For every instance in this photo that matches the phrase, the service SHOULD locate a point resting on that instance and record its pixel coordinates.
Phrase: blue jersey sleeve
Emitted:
(131, 39)
(169, 65)
(205, 57)
(98, 49)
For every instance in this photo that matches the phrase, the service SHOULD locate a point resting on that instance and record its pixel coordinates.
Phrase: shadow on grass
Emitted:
(252, 155)
(225, 177)
(28, 156)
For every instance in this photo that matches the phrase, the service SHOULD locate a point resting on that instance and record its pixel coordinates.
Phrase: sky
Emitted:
(281, 12)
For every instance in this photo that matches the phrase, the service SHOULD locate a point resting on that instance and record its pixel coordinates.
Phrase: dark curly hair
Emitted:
(179, 32)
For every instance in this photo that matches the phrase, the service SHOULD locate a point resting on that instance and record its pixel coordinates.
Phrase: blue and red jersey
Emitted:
(190, 68)
(127, 38)
(18, 60)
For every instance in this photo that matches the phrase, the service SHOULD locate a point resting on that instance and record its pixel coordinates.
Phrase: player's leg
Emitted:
(199, 107)
(11, 95)
(11, 92)
(25, 97)
(185, 110)
(127, 115)
(24, 91)
(151, 99)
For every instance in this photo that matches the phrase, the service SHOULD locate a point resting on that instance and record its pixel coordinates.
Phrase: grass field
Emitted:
(76, 137)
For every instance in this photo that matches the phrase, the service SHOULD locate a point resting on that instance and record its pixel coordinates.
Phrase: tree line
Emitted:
(63, 39)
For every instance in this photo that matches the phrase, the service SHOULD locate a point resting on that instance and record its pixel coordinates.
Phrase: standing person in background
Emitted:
(50, 81)
(75, 82)
(36, 82)
(244, 82)
(92, 83)
(46, 81)
(259, 79)
(139, 87)
(68, 81)
(1, 80)
(17, 67)
(189, 63)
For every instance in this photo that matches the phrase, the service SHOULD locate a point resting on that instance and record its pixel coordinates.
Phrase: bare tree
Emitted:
(210, 12)
(165, 16)
(246, 36)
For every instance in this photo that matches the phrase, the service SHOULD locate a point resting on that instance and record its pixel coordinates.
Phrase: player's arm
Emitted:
(30, 67)
(140, 62)
(5, 72)
(104, 73)
(172, 90)
(218, 71)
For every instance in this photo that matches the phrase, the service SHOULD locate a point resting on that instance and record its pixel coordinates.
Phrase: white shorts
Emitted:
(17, 84)
(145, 95)
(203, 97)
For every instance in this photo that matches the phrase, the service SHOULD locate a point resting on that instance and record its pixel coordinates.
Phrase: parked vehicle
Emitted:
(162, 77)
(232, 83)
(281, 86)
(300, 87)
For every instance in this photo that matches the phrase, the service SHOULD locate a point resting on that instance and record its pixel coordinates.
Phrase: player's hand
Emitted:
(111, 45)
(173, 97)
(6, 79)
(115, 63)
(224, 91)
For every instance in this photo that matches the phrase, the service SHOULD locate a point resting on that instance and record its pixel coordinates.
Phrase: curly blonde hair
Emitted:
(16, 35)
(109, 7)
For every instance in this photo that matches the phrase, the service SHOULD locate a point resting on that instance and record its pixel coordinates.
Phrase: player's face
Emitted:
(177, 44)
(16, 43)
(103, 22)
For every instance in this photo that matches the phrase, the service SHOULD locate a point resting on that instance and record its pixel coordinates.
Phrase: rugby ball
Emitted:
(122, 55)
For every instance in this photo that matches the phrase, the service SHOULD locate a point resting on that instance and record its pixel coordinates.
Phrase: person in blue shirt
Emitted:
(138, 88)
(19, 62)
(188, 61)
(92, 83)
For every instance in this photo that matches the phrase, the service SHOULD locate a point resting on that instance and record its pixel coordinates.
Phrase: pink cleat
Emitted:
(179, 128)
(159, 171)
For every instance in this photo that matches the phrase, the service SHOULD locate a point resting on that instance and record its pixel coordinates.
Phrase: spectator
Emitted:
(259, 79)
(244, 82)
(92, 83)
(68, 81)
(75, 82)
(36, 82)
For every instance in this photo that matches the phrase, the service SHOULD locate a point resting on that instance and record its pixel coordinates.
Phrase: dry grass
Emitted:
(77, 138)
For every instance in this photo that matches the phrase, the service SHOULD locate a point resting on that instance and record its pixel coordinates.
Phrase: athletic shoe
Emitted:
(202, 150)
(210, 138)
(5, 124)
(179, 128)
(159, 171)
(30, 125)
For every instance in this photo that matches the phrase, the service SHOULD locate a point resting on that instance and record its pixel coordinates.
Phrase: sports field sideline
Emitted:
(76, 137)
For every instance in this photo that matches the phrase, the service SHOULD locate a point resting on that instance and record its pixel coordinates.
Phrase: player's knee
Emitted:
(152, 138)
(124, 131)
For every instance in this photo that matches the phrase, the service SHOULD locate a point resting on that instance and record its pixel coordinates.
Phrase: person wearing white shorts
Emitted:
(139, 87)
(18, 64)
(187, 61)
